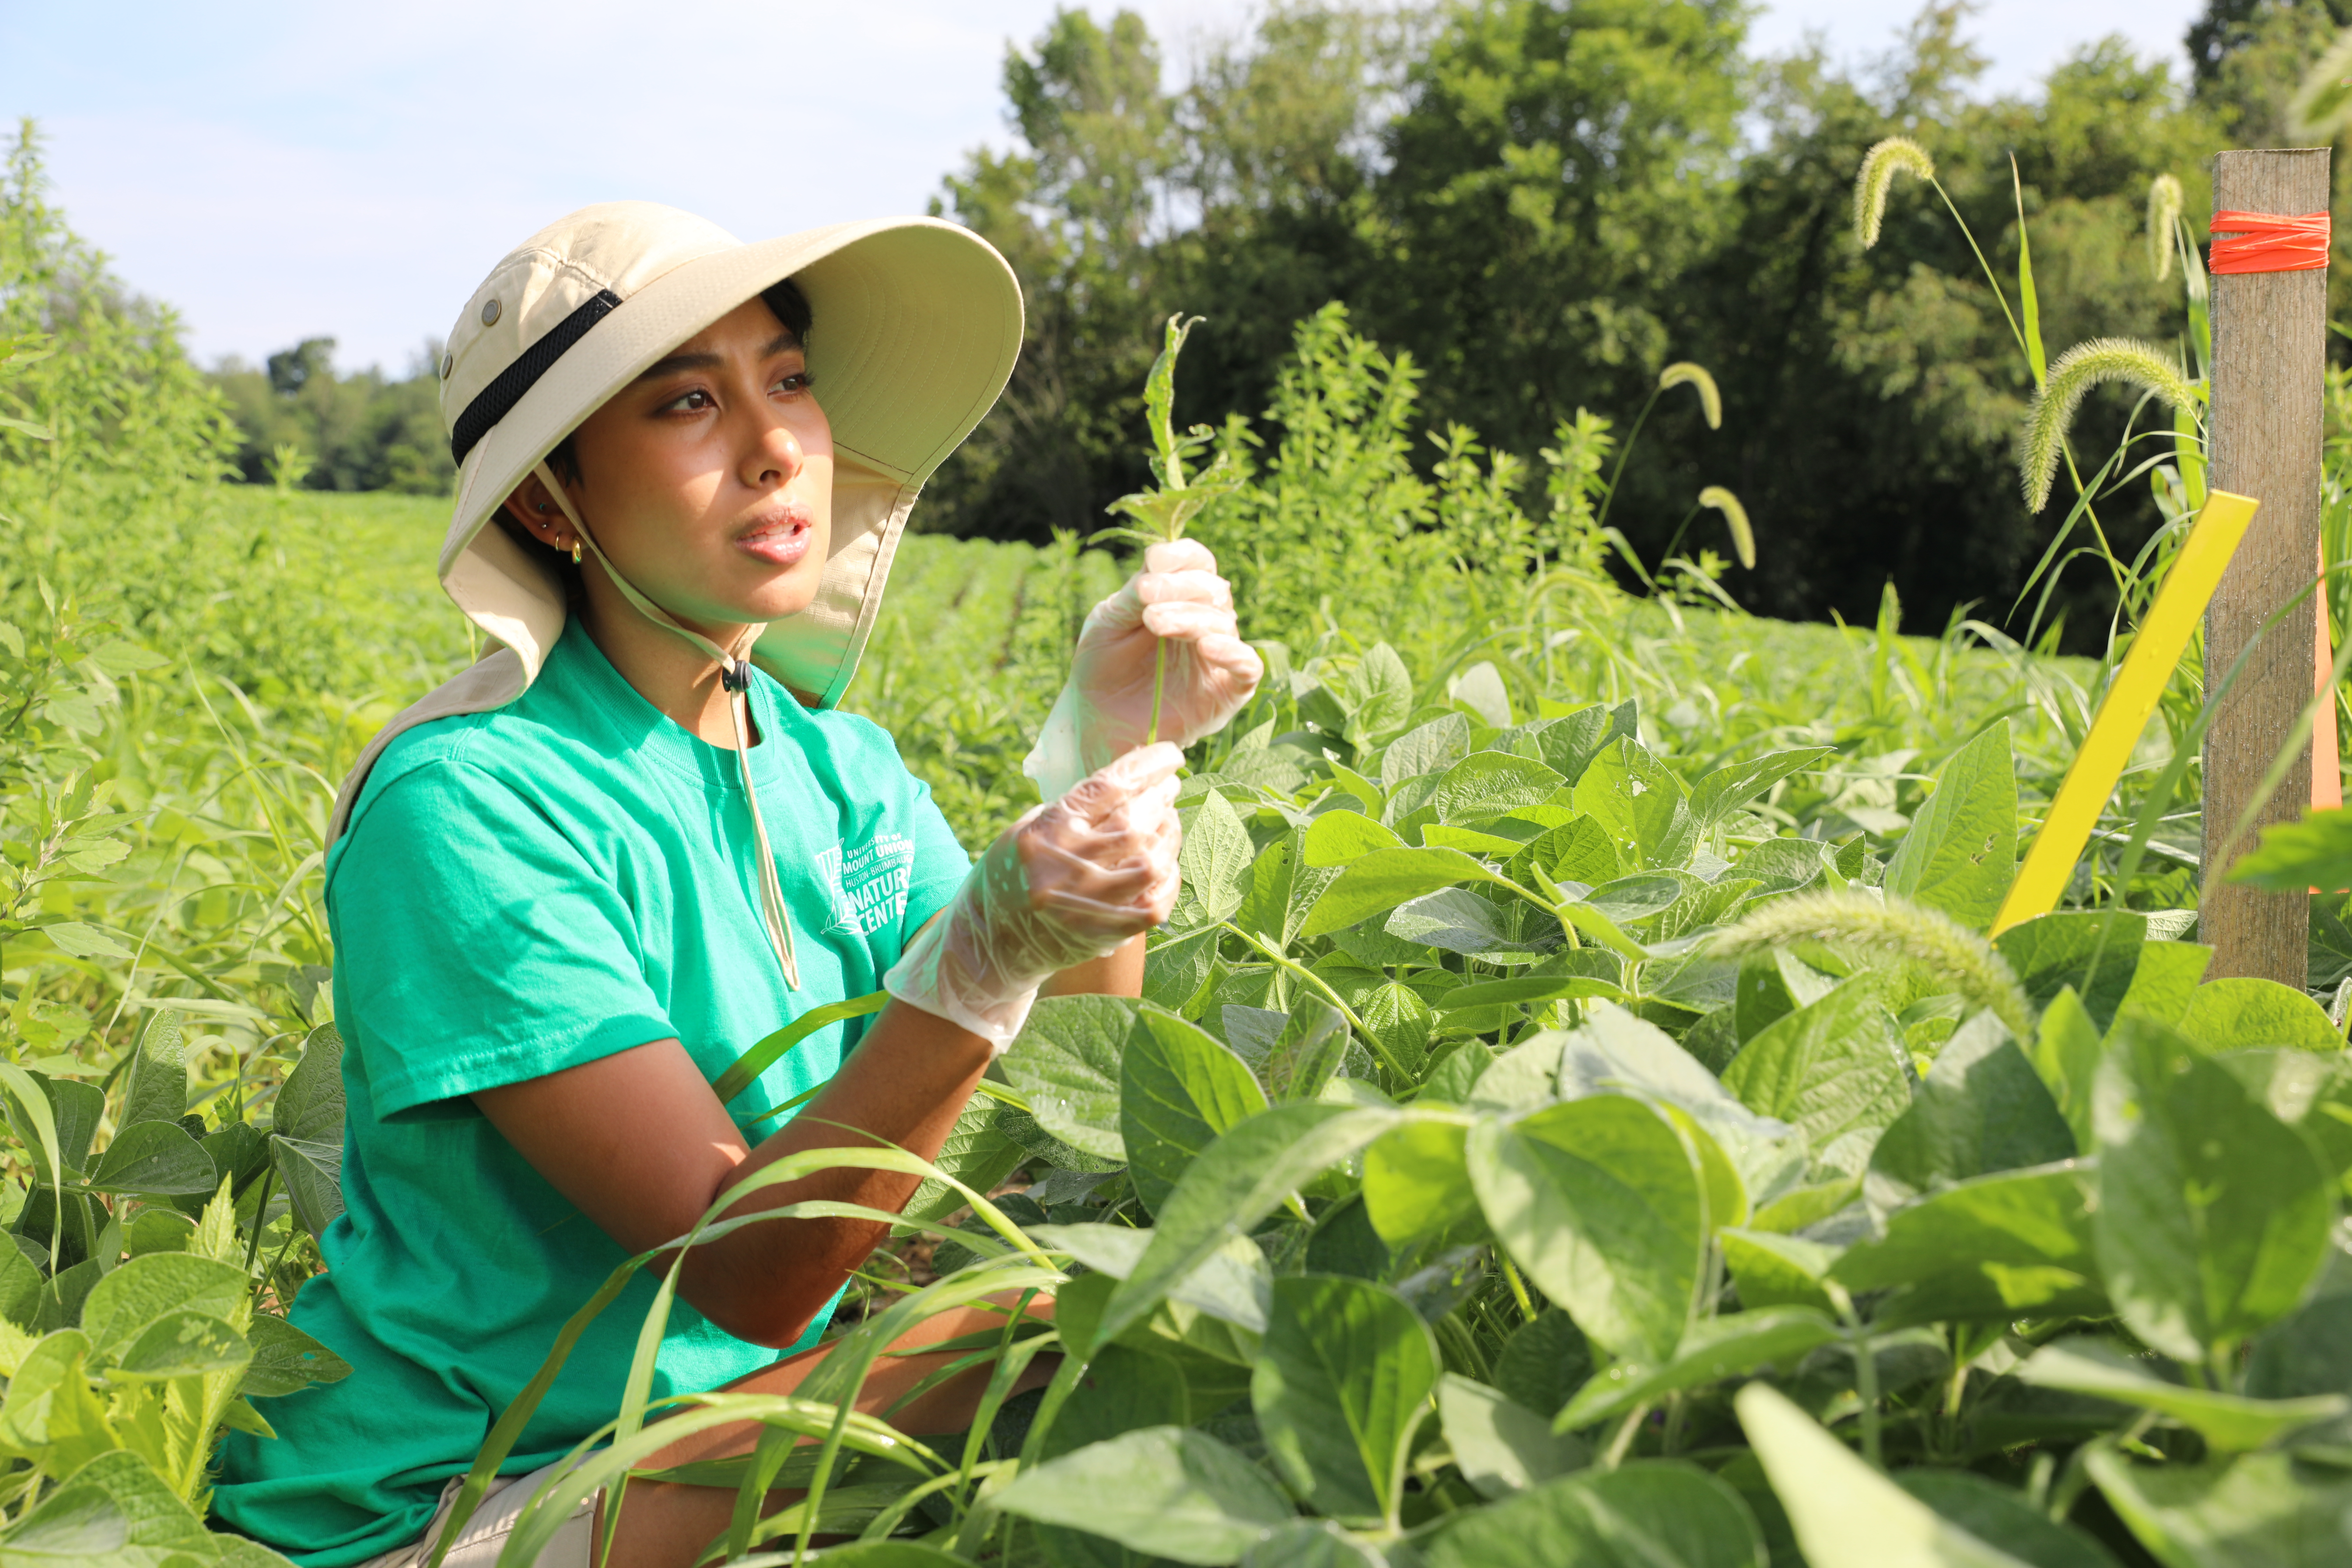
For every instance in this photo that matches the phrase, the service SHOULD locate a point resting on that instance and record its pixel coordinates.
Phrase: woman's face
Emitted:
(709, 479)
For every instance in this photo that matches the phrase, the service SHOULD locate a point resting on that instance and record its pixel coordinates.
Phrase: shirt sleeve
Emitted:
(478, 946)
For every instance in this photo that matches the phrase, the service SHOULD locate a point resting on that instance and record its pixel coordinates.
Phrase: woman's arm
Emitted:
(640, 1144)
(638, 1141)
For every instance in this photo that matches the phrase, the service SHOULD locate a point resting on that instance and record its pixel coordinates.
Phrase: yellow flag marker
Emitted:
(2123, 711)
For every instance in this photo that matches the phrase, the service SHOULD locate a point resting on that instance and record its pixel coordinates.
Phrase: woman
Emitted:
(570, 888)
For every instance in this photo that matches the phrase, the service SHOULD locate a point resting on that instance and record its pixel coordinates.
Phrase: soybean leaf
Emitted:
(2230, 1423)
(1714, 1350)
(1961, 852)
(1125, 1391)
(158, 1086)
(1416, 1183)
(2293, 856)
(1726, 789)
(2256, 1510)
(1544, 1363)
(977, 1152)
(1179, 1089)
(116, 1509)
(180, 1345)
(2213, 1214)
(1653, 1513)
(1309, 1049)
(1457, 920)
(154, 1157)
(1431, 748)
(21, 1288)
(2004, 1518)
(1846, 1514)
(312, 1174)
(1775, 1270)
(2066, 1054)
(285, 1358)
(309, 1104)
(1980, 1109)
(1311, 1543)
(1215, 858)
(1772, 984)
(1377, 882)
(1600, 1200)
(121, 1305)
(1335, 837)
(2224, 1014)
(1066, 1063)
(1833, 1069)
(1343, 1380)
(2164, 982)
(1170, 1491)
(239, 1151)
(78, 1108)
(1569, 743)
(1490, 784)
(2094, 951)
(1502, 1446)
(1615, 1052)
(1235, 1183)
(1641, 803)
(1376, 697)
(2002, 1246)
(1232, 1285)
(1784, 865)
(2305, 1090)
(1176, 967)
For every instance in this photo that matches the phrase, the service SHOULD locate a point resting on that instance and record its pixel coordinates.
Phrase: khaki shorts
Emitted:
(485, 1535)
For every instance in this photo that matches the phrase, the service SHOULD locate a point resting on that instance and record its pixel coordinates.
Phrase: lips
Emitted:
(781, 538)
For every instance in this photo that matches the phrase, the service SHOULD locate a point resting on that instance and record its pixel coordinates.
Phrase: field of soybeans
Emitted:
(1576, 1114)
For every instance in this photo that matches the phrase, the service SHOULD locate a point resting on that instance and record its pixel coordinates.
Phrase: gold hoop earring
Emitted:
(575, 553)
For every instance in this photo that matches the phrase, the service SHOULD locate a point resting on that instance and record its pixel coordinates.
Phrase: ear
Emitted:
(534, 506)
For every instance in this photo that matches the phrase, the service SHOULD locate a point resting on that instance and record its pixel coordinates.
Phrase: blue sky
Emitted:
(280, 170)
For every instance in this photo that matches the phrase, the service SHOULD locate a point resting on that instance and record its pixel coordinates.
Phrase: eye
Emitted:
(693, 401)
(798, 381)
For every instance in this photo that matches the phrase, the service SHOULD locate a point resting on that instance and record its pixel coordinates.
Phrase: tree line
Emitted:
(1537, 205)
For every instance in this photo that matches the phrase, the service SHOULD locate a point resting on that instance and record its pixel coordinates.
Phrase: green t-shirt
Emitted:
(520, 892)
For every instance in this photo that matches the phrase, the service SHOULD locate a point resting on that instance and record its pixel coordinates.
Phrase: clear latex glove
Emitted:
(1178, 602)
(1066, 883)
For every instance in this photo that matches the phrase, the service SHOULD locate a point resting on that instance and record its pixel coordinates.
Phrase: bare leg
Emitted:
(666, 1526)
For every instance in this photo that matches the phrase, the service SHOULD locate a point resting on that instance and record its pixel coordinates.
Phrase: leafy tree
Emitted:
(360, 432)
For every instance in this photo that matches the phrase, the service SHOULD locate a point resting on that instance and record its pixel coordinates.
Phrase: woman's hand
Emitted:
(1067, 883)
(1178, 602)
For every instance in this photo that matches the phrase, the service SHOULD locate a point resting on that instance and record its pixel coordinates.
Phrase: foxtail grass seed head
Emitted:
(1894, 929)
(2079, 369)
(1879, 168)
(2163, 218)
(2322, 104)
(1735, 518)
(1683, 373)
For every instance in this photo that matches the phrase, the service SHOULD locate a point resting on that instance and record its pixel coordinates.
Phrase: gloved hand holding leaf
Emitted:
(1118, 697)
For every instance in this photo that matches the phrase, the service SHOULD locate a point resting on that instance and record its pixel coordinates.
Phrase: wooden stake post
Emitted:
(2269, 362)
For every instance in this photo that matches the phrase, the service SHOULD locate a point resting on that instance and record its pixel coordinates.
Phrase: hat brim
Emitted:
(918, 323)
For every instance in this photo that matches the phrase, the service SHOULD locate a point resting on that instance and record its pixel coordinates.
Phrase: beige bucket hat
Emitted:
(917, 326)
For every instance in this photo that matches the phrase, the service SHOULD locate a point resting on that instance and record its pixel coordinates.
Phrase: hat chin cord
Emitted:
(735, 676)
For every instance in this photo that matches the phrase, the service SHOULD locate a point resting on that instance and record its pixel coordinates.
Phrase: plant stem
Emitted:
(1293, 966)
(1621, 1440)
(1159, 687)
(1519, 1288)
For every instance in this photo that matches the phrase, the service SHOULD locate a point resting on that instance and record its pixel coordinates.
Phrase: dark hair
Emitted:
(791, 311)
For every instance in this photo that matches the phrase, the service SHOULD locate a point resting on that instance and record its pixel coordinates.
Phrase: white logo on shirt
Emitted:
(868, 885)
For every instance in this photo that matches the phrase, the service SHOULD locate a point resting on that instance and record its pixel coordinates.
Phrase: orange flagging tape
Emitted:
(2265, 242)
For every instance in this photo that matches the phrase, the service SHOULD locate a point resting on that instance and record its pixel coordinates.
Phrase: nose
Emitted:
(775, 456)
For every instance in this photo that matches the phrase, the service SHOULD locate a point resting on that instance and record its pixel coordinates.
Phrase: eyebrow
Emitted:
(673, 363)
